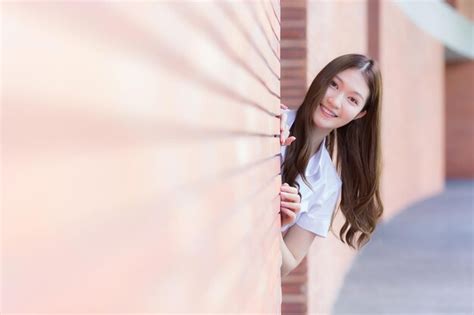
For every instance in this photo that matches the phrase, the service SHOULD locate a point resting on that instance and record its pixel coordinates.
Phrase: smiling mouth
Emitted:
(326, 111)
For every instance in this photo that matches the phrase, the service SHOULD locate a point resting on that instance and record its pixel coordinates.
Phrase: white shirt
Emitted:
(317, 206)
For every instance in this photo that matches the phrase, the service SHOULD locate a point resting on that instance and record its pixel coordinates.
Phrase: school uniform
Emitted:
(317, 205)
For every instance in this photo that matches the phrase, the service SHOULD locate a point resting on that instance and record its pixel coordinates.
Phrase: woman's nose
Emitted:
(336, 100)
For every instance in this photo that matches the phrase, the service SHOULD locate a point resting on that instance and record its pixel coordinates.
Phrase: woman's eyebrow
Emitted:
(339, 78)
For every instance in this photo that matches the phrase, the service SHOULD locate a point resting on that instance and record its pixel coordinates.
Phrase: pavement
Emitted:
(420, 262)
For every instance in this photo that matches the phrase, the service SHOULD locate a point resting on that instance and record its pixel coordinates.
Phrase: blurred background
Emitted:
(140, 156)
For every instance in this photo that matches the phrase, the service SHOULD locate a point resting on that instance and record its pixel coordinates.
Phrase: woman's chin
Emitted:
(322, 123)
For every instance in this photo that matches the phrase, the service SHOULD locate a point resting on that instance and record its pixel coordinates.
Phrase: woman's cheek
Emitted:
(343, 120)
(315, 113)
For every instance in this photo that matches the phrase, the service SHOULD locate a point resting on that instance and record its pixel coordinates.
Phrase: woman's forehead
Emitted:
(354, 81)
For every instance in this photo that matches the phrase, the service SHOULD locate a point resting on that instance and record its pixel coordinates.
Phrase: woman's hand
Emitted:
(284, 128)
(290, 204)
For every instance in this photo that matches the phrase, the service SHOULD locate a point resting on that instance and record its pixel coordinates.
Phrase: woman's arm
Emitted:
(288, 261)
(294, 246)
(295, 243)
(290, 205)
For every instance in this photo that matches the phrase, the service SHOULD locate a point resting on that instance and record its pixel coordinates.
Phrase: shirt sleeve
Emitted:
(318, 217)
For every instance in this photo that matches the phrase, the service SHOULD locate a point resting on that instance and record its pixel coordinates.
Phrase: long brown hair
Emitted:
(355, 147)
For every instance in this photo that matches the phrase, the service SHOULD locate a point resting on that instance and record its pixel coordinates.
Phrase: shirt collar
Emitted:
(315, 161)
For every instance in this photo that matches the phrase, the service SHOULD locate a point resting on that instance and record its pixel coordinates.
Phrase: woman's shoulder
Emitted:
(322, 176)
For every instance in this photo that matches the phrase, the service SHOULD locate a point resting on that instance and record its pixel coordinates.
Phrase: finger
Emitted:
(288, 213)
(295, 206)
(289, 189)
(283, 119)
(283, 136)
(289, 140)
(287, 218)
(289, 197)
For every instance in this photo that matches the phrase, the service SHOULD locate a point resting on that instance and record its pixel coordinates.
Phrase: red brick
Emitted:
(295, 53)
(299, 32)
(293, 308)
(293, 13)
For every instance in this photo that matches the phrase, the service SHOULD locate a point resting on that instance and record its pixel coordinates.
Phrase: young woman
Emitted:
(339, 120)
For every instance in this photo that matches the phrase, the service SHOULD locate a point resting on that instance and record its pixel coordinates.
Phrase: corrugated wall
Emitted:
(140, 167)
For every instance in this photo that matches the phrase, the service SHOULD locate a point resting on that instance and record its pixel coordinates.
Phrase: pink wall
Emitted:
(459, 120)
(140, 168)
(334, 28)
(413, 114)
(412, 126)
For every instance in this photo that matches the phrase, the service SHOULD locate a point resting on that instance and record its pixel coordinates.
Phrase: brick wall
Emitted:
(139, 166)
(293, 89)
(459, 120)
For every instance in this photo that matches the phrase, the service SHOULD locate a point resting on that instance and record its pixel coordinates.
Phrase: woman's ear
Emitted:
(360, 115)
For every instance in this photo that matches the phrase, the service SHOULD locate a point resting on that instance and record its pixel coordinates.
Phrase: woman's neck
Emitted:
(317, 138)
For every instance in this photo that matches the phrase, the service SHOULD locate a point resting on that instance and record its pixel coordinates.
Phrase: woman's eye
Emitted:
(353, 100)
(333, 83)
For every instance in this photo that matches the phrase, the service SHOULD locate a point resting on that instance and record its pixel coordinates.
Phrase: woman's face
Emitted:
(343, 102)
